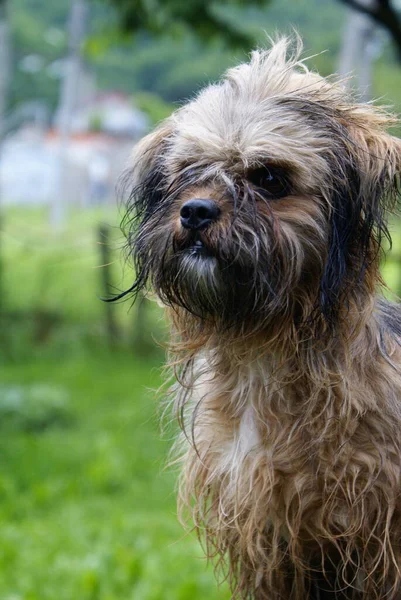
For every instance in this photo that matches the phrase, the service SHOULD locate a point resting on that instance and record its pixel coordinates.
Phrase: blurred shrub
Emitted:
(33, 408)
(95, 122)
(54, 287)
(153, 106)
(88, 512)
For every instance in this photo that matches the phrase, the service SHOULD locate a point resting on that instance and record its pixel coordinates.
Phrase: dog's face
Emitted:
(263, 199)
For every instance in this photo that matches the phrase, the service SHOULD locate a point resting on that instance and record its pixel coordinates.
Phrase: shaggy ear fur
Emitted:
(145, 175)
(365, 189)
(144, 182)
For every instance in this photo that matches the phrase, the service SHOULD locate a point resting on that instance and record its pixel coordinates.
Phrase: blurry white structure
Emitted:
(103, 129)
(29, 166)
(4, 73)
(110, 112)
(99, 178)
(28, 169)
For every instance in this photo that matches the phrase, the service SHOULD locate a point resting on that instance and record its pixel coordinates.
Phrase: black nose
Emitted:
(198, 213)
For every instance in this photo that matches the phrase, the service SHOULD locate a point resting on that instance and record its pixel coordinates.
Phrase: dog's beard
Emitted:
(196, 282)
(239, 278)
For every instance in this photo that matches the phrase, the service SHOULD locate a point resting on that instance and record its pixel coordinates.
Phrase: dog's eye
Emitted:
(270, 180)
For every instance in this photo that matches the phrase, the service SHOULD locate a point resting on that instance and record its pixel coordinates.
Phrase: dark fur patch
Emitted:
(357, 221)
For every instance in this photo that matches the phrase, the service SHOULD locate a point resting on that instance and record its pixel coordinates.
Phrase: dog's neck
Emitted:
(280, 341)
(294, 372)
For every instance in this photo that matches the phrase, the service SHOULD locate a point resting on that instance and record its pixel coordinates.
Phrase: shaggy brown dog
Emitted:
(258, 214)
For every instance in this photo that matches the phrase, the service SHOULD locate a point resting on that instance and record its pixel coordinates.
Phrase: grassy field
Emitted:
(87, 510)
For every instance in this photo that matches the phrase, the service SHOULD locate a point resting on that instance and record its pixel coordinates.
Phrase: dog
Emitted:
(258, 216)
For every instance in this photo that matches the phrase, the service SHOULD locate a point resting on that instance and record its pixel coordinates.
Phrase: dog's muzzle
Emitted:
(198, 213)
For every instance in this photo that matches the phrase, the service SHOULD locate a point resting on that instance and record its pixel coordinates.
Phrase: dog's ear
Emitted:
(142, 190)
(148, 148)
(365, 187)
(141, 186)
(147, 159)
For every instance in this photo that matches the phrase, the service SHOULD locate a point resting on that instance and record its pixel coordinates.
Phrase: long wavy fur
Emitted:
(288, 363)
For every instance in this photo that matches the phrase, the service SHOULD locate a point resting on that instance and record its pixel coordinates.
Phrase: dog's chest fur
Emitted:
(276, 468)
(250, 439)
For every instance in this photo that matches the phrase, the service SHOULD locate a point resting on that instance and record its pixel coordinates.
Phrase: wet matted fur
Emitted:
(288, 363)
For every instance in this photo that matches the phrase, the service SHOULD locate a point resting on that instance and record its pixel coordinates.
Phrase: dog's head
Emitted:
(264, 198)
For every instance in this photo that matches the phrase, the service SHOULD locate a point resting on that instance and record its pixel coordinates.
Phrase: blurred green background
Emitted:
(87, 508)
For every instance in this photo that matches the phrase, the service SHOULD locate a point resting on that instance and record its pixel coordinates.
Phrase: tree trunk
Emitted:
(358, 50)
(4, 83)
(68, 97)
(105, 269)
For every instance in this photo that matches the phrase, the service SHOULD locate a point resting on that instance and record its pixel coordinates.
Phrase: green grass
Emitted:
(57, 277)
(87, 510)
(60, 271)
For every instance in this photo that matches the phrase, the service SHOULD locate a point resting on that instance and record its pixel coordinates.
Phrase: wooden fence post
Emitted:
(105, 264)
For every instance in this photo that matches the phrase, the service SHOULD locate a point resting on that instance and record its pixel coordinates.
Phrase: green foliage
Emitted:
(172, 69)
(88, 512)
(31, 23)
(33, 408)
(174, 65)
(387, 87)
(52, 271)
(170, 64)
(95, 122)
(153, 106)
(206, 18)
(53, 286)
